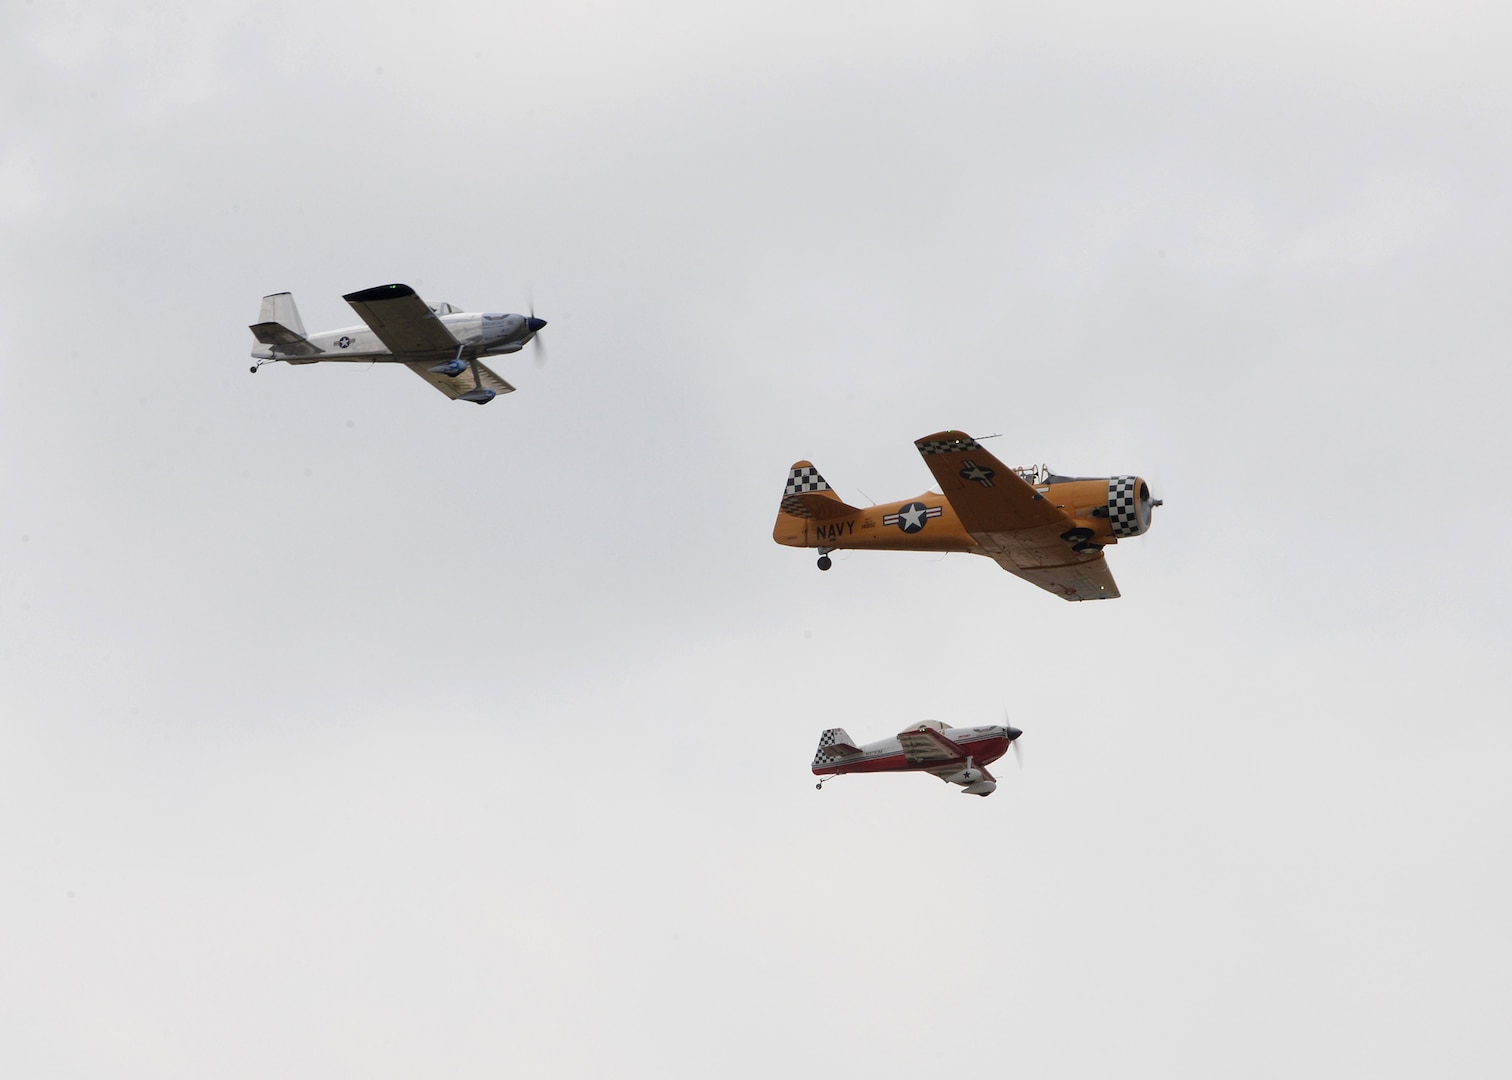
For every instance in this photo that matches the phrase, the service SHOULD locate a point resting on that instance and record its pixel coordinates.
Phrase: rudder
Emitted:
(808, 495)
(279, 308)
(835, 745)
(280, 328)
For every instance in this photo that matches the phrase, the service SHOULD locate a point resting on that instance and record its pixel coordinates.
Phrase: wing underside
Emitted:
(403, 322)
(936, 754)
(926, 746)
(1090, 580)
(455, 386)
(1012, 521)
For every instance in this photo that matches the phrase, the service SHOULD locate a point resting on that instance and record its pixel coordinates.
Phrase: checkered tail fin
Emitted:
(808, 495)
(834, 745)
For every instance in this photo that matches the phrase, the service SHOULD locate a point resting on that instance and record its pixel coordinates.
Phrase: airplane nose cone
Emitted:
(1011, 733)
(534, 324)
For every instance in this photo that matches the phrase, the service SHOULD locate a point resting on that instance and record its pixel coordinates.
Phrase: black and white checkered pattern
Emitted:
(1123, 506)
(947, 446)
(805, 479)
(793, 505)
(822, 756)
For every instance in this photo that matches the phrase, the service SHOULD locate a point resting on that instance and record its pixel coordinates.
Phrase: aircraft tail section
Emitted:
(279, 308)
(808, 495)
(834, 747)
(280, 327)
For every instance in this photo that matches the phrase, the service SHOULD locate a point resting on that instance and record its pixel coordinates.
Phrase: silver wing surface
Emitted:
(926, 746)
(455, 386)
(939, 755)
(403, 322)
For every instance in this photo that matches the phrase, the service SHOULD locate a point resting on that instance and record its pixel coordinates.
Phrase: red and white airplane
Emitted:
(955, 755)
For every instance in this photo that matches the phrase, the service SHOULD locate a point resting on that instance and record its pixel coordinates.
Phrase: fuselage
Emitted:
(928, 522)
(479, 333)
(983, 745)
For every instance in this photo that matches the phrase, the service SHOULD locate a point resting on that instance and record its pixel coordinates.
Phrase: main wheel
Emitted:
(824, 562)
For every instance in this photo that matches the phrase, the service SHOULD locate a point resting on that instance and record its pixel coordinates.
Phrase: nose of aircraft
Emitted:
(1011, 733)
(533, 324)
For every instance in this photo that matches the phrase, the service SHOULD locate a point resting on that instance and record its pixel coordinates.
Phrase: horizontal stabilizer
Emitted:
(283, 339)
(819, 507)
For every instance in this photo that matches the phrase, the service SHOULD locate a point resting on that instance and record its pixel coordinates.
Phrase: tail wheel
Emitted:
(824, 562)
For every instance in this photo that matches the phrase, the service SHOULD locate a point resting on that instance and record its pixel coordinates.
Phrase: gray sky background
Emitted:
(348, 731)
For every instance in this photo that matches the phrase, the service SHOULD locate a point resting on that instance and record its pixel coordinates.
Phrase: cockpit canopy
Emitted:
(443, 308)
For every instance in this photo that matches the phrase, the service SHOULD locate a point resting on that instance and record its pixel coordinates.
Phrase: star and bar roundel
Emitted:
(911, 518)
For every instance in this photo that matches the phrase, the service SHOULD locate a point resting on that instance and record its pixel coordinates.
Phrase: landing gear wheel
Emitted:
(824, 562)
(819, 786)
(254, 369)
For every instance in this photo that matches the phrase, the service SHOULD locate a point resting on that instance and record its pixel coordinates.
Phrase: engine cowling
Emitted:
(1130, 505)
(498, 330)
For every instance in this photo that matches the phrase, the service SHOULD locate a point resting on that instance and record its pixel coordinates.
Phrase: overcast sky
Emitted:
(351, 731)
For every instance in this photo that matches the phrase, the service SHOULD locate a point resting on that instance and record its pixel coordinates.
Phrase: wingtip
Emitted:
(379, 292)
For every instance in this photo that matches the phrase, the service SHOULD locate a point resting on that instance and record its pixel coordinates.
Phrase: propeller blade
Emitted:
(535, 340)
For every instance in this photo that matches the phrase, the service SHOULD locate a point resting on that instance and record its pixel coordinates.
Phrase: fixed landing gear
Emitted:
(824, 559)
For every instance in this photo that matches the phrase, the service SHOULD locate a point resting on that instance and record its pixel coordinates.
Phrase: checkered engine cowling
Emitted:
(1129, 505)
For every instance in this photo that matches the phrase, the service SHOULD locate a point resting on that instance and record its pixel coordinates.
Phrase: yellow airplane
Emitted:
(1049, 530)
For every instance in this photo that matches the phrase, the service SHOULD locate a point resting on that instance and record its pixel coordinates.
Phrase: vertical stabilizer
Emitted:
(834, 746)
(279, 308)
(808, 495)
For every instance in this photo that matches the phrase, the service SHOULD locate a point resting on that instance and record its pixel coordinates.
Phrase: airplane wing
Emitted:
(926, 746)
(403, 322)
(986, 495)
(1089, 580)
(455, 386)
(1018, 526)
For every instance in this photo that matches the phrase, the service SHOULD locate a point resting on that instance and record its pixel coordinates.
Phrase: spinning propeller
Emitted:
(535, 326)
(1018, 755)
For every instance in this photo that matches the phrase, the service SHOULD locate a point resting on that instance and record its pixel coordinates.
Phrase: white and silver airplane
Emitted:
(436, 341)
(956, 755)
